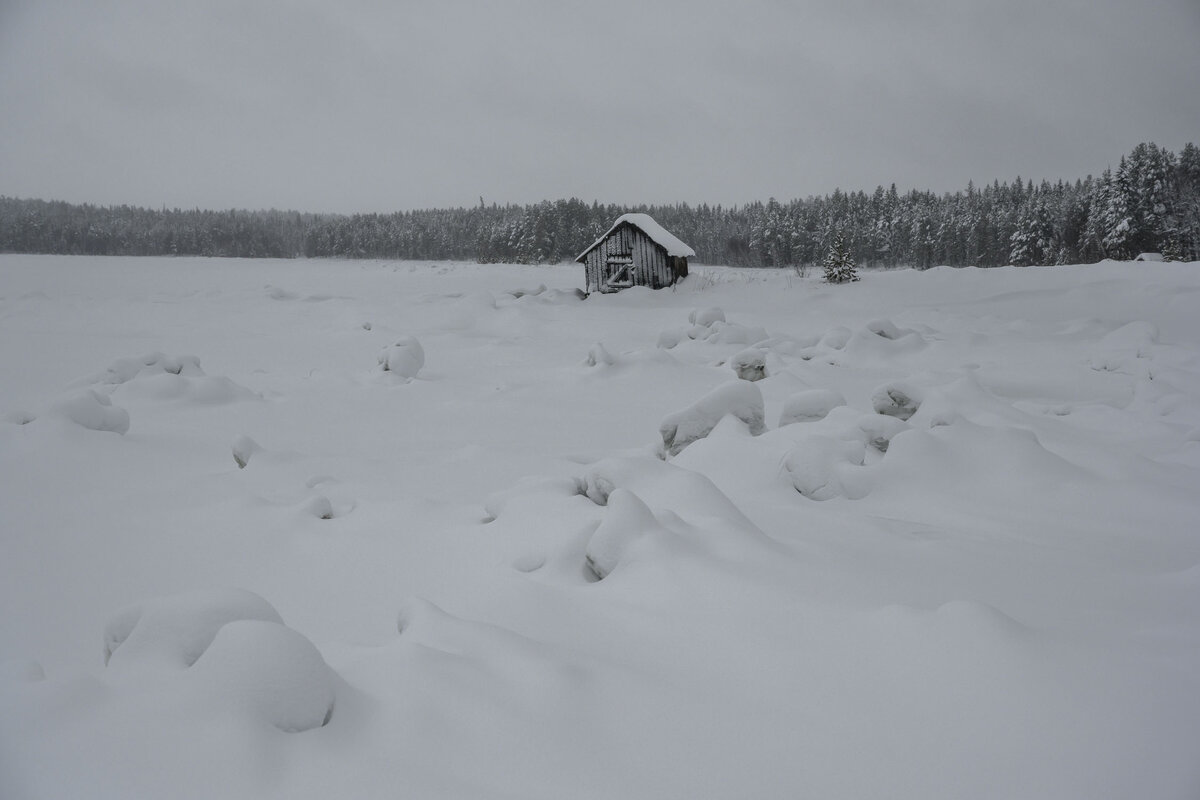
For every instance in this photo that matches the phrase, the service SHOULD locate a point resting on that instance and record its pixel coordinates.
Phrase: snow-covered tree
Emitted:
(839, 263)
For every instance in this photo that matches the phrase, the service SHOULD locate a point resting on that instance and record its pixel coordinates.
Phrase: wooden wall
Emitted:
(651, 266)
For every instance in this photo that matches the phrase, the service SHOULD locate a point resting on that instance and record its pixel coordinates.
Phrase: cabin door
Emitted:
(618, 272)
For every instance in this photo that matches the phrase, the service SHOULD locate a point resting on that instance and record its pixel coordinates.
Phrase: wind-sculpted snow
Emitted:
(961, 564)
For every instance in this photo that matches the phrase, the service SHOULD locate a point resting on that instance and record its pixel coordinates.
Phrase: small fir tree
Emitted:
(1172, 251)
(839, 264)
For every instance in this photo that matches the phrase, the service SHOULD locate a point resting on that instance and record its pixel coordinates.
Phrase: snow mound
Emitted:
(750, 364)
(740, 399)
(669, 339)
(203, 390)
(705, 317)
(174, 631)
(320, 507)
(20, 417)
(1119, 350)
(689, 493)
(810, 405)
(880, 429)
(626, 520)
(819, 464)
(734, 333)
(519, 293)
(883, 327)
(270, 670)
(836, 337)
(159, 377)
(599, 356)
(124, 370)
(92, 410)
(19, 670)
(243, 448)
(900, 400)
(404, 359)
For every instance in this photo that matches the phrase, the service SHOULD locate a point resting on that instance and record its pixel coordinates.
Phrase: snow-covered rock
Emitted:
(740, 399)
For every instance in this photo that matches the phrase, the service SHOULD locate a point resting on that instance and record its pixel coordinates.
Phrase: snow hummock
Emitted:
(657, 233)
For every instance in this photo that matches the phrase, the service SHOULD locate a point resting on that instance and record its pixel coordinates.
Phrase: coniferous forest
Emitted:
(1149, 203)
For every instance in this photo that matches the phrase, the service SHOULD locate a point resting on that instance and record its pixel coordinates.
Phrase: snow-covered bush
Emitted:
(750, 364)
(92, 410)
(174, 631)
(810, 405)
(740, 399)
(405, 358)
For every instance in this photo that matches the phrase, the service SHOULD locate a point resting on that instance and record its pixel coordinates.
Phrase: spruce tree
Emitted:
(839, 264)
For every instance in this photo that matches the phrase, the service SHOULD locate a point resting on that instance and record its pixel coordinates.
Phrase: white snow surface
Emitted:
(657, 233)
(991, 590)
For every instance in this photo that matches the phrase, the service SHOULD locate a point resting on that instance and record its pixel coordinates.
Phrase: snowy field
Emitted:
(947, 548)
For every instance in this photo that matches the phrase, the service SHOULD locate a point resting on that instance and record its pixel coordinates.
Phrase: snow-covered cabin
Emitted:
(1149, 257)
(636, 251)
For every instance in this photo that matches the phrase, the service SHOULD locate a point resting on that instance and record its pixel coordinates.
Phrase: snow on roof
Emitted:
(657, 233)
(1149, 257)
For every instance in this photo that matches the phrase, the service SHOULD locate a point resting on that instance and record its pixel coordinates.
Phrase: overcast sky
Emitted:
(367, 105)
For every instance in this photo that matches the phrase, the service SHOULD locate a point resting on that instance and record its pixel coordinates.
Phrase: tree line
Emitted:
(1149, 203)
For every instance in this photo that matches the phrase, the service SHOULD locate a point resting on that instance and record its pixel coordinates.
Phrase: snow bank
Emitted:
(740, 399)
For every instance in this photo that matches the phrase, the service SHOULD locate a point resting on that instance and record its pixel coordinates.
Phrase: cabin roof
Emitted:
(646, 224)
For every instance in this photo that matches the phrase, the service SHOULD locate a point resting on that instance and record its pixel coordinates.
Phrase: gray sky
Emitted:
(366, 105)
